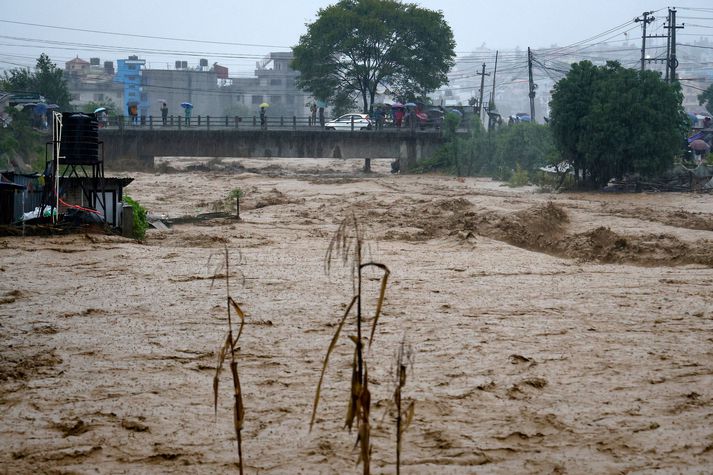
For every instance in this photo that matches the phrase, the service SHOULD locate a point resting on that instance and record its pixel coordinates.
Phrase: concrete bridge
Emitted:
(138, 147)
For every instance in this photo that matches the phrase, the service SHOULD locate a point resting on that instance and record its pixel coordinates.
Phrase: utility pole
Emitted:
(495, 71)
(668, 45)
(672, 60)
(491, 120)
(532, 85)
(644, 21)
(482, 87)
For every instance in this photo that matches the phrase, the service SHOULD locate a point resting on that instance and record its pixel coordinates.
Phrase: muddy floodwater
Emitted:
(551, 333)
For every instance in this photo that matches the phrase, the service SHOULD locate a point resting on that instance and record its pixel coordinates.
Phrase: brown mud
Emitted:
(553, 333)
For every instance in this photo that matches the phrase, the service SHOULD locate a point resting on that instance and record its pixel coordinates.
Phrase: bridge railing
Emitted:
(180, 122)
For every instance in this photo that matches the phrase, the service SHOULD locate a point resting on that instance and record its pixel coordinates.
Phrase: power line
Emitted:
(166, 38)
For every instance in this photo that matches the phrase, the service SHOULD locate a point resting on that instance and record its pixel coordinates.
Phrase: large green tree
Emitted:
(356, 45)
(609, 121)
(46, 79)
(706, 97)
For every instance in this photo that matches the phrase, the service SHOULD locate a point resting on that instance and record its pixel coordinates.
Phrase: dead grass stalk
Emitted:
(347, 245)
(230, 348)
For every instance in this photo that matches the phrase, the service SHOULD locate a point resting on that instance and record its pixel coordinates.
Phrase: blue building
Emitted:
(129, 74)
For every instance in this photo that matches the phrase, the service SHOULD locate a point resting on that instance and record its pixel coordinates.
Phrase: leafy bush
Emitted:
(141, 224)
(497, 153)
(519, 177)
(527, 145)
(20, 141)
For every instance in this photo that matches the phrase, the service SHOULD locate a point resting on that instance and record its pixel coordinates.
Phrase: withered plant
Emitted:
(347, 244)
(230, 348)
(404, 359)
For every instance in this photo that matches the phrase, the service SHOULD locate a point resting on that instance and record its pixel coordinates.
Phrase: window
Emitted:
(98, 97)
(257, 100)
(276, 99)
(275, 82)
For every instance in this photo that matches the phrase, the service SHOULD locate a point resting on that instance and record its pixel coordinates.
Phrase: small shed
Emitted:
(72, 190)
(21, 193)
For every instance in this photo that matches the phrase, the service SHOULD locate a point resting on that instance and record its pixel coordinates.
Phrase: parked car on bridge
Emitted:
(361, 122)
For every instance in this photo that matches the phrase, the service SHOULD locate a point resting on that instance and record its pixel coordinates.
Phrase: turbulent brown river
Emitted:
(551, 333)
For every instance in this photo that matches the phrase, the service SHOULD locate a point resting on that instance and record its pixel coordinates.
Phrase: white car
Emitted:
(361, 122)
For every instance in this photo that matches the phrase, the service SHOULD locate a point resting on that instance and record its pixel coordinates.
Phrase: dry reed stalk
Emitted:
(347, 245)
(404, 358)
(230, 348)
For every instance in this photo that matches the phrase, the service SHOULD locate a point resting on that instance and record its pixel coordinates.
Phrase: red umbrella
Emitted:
(699, 145)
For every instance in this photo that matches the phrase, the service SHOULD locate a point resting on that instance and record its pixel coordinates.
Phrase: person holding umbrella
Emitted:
(398, 111)
(187, 109)
(101, 115)
(263, 117)
(700, 149)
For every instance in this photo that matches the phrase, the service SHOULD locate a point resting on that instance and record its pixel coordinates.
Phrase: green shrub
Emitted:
(141, 224)
(236, 194)
(519, 177)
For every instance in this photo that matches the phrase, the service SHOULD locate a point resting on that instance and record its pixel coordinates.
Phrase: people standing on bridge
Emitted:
(187, 115)
(412, 119)
(379, 115)
(263, 118)
(164, 113)
(134, 114)
(398, 116)
(313, 114)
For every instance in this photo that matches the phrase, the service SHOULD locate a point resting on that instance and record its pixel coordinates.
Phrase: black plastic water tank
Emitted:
(80, 139)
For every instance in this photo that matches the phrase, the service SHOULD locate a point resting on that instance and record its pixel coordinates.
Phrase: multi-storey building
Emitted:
(128, 74)
(208, 88)
(90, 82)
(274, 83)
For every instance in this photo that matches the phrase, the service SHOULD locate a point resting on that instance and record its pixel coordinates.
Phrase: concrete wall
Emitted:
(139, 146)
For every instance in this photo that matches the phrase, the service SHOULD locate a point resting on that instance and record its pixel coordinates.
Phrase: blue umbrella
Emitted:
(99, 109)
(409, 104)
(186, 105)
(697, 136)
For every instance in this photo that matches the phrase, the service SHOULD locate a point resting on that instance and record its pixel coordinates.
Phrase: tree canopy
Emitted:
(609, 121)
(356, 45)
(706, 97)
(47, 80)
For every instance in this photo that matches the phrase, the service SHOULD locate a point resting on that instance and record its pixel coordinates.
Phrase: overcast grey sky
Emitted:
(275, 25)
